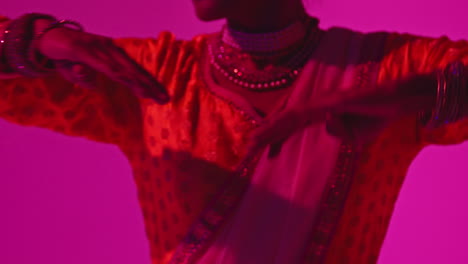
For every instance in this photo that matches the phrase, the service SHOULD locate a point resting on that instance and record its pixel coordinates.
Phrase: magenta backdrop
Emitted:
(67, 200)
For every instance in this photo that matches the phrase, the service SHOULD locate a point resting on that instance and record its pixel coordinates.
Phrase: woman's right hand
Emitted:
(80, 55)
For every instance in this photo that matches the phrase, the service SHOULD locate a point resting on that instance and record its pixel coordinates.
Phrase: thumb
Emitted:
(77, 73)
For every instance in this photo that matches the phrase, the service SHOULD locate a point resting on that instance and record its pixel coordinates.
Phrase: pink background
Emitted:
(67, 200)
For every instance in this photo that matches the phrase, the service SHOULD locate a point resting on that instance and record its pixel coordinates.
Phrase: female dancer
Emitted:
(271, 141)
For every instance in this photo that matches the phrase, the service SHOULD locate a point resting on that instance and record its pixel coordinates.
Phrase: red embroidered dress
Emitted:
(183, 153)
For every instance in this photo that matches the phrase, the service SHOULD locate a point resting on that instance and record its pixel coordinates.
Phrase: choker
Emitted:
(232, 52)
(265, 42)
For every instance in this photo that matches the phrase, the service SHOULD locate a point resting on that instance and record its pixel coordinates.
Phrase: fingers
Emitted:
(77, 73)
(281, 127)
(359, 129)
(337, 125)
(273, 131)
(155, 88)
(112, 61)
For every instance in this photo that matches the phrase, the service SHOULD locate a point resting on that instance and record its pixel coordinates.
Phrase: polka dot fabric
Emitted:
(180, 153)
(188, 148)
(383, 165)
(110, 114)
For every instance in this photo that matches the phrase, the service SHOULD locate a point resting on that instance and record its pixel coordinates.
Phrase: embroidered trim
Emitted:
(210, 222)
(223, 204)
(333, 203)
(202, 71)
(205, 228)
(331, 206)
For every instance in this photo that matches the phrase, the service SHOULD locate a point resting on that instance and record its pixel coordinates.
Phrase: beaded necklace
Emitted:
(232, 52)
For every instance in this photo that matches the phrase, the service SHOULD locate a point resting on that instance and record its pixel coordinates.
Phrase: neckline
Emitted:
(236, 100)
(267, 42)
(227, 95)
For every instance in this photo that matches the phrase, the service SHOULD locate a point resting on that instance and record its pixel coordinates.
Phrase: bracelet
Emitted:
(3, 62)
(451, 107)
(17, 43)
(452, 97)
(463, 99)
(431, 119)
(33, 52)
(457, 73)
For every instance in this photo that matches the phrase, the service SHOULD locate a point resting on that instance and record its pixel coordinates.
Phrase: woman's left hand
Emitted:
(352, 115)
(357, 128)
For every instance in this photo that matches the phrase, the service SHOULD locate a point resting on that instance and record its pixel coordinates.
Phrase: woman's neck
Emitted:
(274, 16)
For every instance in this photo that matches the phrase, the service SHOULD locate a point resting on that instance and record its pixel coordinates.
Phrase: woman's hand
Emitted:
(351, 115)
(335, 109)
(347, 126)
(79, 56)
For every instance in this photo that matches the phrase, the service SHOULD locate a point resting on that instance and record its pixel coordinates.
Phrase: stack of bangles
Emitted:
(452, 97)
(19, 45)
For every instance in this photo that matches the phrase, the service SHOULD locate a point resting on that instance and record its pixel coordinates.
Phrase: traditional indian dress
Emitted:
(319, 200)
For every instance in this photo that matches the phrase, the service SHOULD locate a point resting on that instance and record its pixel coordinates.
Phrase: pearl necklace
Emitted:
(232, 51)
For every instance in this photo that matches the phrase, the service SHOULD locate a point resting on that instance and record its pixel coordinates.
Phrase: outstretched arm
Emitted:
(406, 85)
(110, 112)
(408, 55)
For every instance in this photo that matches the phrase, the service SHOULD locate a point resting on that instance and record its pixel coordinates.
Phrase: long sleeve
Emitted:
(109, 114)
(408, 55)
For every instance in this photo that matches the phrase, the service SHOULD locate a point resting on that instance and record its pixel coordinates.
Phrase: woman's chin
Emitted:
(207, 16)
(209, 10)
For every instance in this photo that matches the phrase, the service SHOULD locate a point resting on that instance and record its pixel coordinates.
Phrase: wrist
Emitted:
(38, 44)
(35, 54)
(17, 48)
(25, 49)
(4, 68)
(54, 39)
(451, 96)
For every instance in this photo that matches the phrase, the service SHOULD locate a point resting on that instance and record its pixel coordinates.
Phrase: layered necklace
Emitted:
(267, 61)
